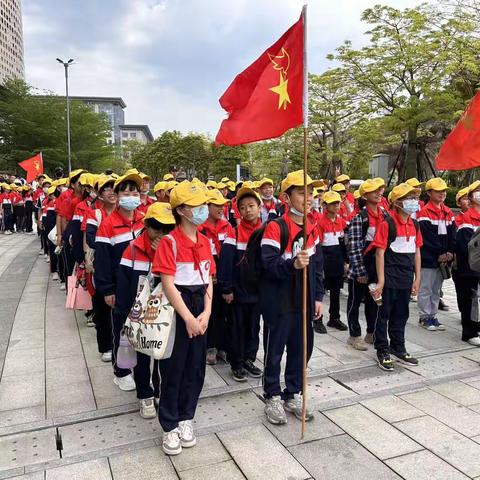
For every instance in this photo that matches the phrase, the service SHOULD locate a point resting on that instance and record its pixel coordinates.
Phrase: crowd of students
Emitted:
(230, 254)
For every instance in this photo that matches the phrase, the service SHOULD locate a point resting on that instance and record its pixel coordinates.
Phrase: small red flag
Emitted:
(33, 166)
(266, 99)
(461, 149)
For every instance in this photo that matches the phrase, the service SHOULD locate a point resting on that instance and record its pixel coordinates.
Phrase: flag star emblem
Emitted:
(282, 91)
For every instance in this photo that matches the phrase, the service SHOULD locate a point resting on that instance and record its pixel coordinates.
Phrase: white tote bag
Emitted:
(151, 324)
(52, 235)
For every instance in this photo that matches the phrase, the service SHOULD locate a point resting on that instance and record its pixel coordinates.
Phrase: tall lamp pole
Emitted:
(66, 65)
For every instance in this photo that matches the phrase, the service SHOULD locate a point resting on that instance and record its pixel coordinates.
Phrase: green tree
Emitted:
(30, 123)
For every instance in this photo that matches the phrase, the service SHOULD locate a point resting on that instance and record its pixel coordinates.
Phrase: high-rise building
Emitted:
(11, 40)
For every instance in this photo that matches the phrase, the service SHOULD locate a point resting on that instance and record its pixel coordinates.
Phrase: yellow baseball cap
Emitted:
(187, 193)
(295, 179)
(75, 173)
(161, 212)
(339, 187)
(51, 190)
(170, 184)
(264, 181)
(103, 180)
(159, 186)
(168, 177)
(461, 193)
(231, 185)
(474, 186)
(437, 184)
(216, 197)
(331, 197)
(244, 191)
(400, 191)
(211, 184)
(342, 178)
(225, 180)
(221, 185)
(49, 180)
(356, 194)
(87, 179)
(415, 182)
(132, 177)
(371, 185)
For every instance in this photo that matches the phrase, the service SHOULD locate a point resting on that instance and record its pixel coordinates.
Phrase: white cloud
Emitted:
(170, 60)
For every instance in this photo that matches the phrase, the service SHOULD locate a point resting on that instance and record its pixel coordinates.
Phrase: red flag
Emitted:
(266, 99)
(33, 166)
(461, 149)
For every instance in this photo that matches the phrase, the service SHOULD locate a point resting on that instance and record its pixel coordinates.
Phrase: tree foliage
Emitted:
(30, 123)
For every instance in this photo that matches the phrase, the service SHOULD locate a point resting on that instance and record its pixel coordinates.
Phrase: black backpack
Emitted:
(250, 264)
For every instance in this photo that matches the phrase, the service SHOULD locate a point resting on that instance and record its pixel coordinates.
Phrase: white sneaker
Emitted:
(187, 435)
(107, 357)
(127, 384)
(475, 341)
(8, 232)
(274, 411)
(147, 408)
(90, 322)
(295, 406)
(171, 443)
(62, 286)
(40, 253)
(55, 276)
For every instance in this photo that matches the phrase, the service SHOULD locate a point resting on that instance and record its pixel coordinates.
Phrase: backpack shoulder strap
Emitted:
(284, 234)
(392, 230)
(365, 222)
(98, 216)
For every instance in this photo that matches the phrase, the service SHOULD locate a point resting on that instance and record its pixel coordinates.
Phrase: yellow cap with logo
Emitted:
(211, 184)
(295, 179)
(414, 182)
(265, 181)
(331, 197)
(339, 187)
(187, 193)
(437, 184)
(461, 193)
(371, 185)
(400, 191)
(159, 186)
(342, 178)
(168, 177)
(225, 180)
(161, 212)
(129, 177)
(216, 197)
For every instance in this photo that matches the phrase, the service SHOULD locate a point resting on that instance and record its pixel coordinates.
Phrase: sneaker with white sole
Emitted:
(62, 286)
(274, 411)
(55, 276)
(171, 443)
(187, 435)
(90, 322)
(127, 384)
(212, 356)
(295, 405)
(40, 253)
(147, 408)
(475, 341)
(107, 356)
(439, 326)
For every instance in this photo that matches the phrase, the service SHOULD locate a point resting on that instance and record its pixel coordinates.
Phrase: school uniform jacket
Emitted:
(216, 233)
(233, 251)
(135, 262)
(465, 231)
(81, 211)
(332, 235)
(400, 254)
(49, 217)
(269, 209)
(438, 232)
(92, 224)
(281, 284)
(143, 207)
(190, 263)
(113, 236)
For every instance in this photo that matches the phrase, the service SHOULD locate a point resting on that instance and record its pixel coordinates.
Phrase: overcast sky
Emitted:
(170, 60)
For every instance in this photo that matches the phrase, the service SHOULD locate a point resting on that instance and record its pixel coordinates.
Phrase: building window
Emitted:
(133, 134)
(124, 134)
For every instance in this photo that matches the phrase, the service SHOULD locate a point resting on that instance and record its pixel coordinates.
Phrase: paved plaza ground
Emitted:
(61, 416)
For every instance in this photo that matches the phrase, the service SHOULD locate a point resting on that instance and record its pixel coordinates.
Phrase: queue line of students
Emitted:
(197, 240)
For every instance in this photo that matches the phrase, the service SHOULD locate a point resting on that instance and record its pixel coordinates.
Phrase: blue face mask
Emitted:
(129, 203)
(410, 206)
(199, 215)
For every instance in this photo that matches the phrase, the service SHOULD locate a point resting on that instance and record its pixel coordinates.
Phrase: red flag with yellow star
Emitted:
(461, 149)
(33, 166)
(266, 99)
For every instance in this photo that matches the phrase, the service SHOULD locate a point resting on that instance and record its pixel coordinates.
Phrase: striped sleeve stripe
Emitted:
(230, 241)
(270, 243)
(103, 240)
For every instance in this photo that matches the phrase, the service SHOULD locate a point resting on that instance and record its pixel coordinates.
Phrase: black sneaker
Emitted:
(337, 323)
(319, 327)
(406, 358)
(240, 375)
(443, 306)
(252, 370)
(384, 360)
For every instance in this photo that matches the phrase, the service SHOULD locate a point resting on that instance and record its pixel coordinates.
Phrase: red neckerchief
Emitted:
(212, 230)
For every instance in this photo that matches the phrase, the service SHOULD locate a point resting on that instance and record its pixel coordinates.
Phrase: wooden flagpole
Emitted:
(305, 212)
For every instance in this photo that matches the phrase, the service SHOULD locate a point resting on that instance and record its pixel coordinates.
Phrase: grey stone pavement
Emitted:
(61, 416)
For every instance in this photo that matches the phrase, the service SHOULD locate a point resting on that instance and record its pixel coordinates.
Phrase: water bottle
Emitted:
(372, 287)
(126, 356)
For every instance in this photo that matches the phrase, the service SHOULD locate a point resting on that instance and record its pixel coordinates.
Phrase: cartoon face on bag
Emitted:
(154, 305)
(137, 312)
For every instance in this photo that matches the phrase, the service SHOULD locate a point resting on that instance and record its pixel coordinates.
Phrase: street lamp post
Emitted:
(66, 65)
